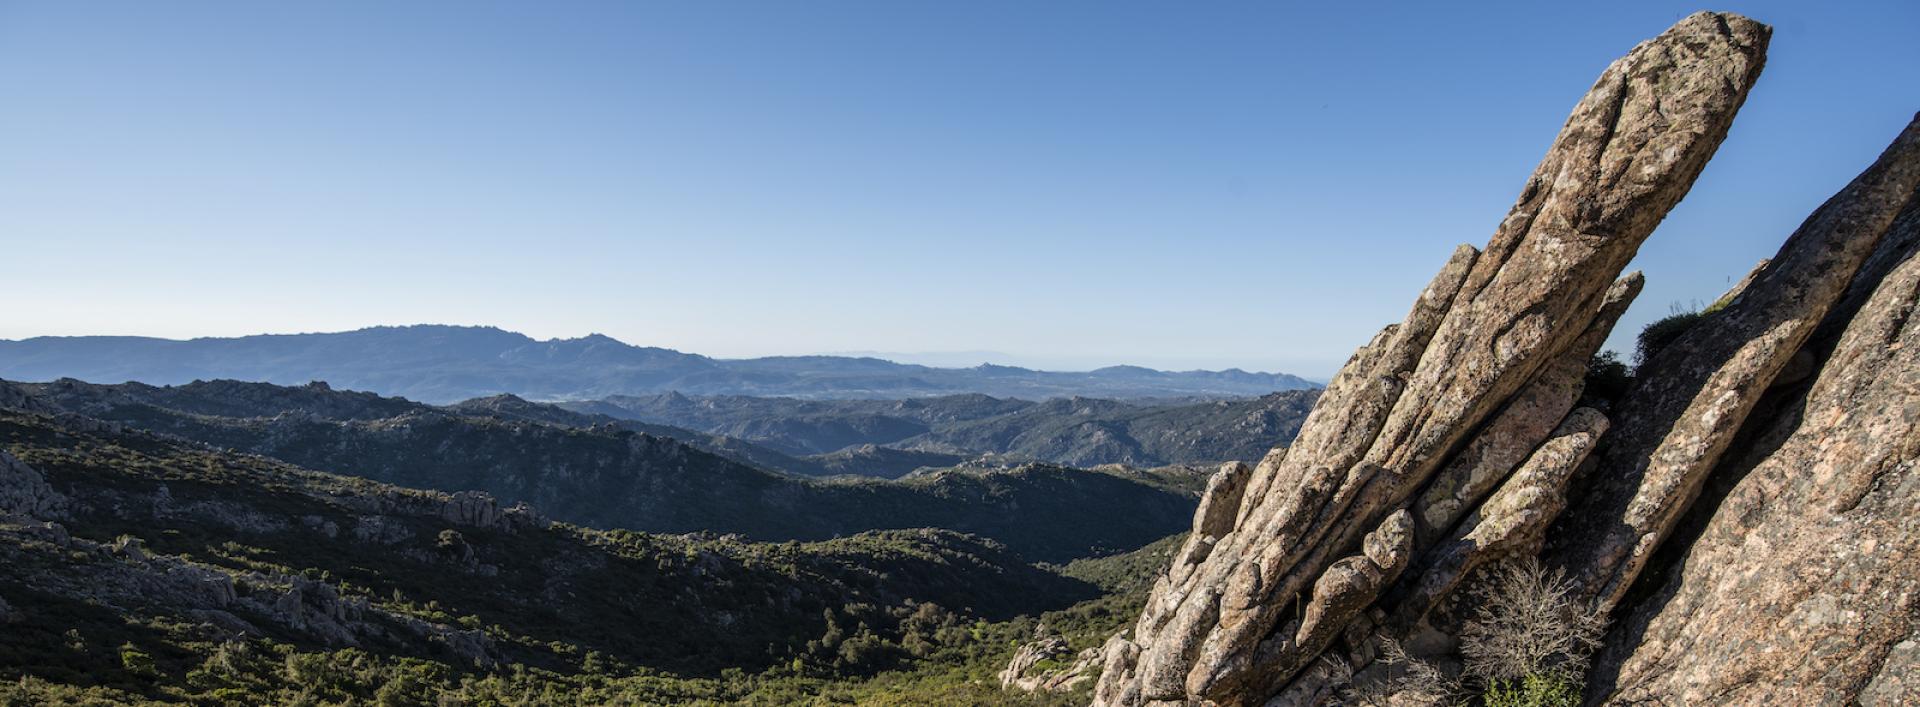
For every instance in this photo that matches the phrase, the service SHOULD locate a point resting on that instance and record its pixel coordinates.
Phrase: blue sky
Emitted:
(1260, 185)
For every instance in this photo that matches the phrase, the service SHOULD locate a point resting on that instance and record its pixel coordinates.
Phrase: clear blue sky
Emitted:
(1259, 185)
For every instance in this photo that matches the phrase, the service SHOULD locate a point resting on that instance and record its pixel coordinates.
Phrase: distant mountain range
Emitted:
(444, 364)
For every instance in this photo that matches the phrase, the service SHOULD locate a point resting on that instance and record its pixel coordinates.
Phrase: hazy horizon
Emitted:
(1244, 185)
(935, 359)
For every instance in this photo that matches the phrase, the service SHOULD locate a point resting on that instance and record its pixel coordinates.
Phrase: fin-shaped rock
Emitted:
(1490, 322)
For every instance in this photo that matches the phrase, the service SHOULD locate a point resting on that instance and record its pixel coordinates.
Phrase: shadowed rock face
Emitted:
(1323, 529)
(1692, 398)
(1804, 586)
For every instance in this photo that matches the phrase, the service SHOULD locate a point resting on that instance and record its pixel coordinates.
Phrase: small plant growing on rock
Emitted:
(1607, 378)
(1656, 336)
(1408, 681)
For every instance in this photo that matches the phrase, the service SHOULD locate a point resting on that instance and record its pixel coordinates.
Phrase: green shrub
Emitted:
(1534, 690)
(1607, 377)
(1658, 335)
(137, 662)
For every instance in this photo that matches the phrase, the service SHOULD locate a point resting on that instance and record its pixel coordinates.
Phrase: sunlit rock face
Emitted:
(1746, 513)
(1456, 438)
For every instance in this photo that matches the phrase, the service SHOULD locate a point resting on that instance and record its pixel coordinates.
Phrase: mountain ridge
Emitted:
(442, 364)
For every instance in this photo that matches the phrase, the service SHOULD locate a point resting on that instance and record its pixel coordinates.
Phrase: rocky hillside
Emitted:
(445, 364)
(143, 568)
(798, 426)
(1460, 519)
(1082, 432)
(865, 460)
(608, 476)
(1070, 431)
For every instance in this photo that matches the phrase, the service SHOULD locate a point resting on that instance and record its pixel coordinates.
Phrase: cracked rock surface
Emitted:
(1747, 512)
(1323, 531)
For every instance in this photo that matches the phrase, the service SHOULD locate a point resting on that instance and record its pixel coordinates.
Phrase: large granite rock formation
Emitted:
(1803, 586)
(1748, 512)
(1322, 531)
(1691, 399)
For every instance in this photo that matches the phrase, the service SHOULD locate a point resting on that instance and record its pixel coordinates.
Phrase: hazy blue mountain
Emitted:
(444, 364)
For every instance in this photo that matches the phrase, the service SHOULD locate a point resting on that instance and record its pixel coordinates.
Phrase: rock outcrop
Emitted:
(466, 509)
(1049, 664)
(24, 493)
(1747, 512)
(1691, 399)
(1481, 373)
(1804, 585)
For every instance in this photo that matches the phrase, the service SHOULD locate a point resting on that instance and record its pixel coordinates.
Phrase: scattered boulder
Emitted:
(473, 509)
(453, 546)
(473, 646)
(24, 493)
(129, 547)
(50, 532)
(321, 525)
(194, 585)
(380, 529)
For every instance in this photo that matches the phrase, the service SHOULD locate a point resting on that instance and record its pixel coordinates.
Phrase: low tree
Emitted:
(1530, 637)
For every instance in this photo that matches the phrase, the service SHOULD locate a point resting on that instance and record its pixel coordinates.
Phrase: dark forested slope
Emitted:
(608, 476)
